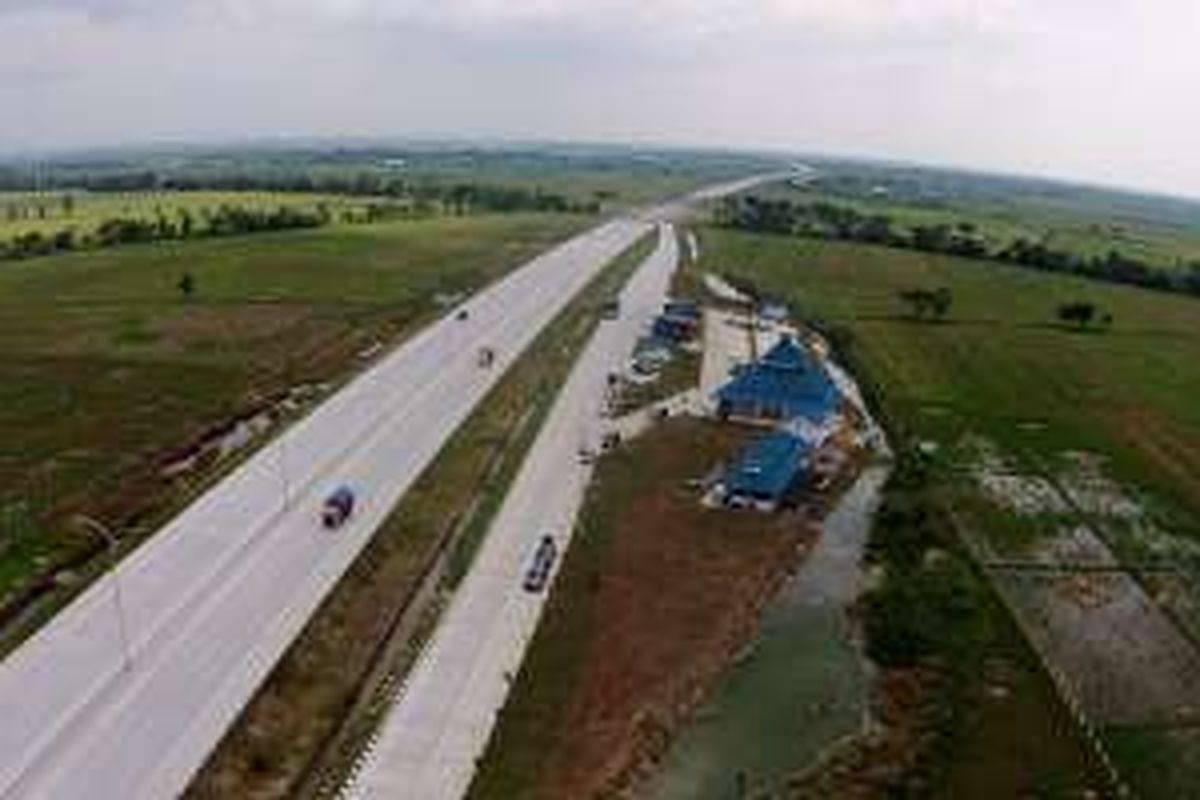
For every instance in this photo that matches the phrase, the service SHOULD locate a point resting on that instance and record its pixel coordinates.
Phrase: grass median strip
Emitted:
(301, 732)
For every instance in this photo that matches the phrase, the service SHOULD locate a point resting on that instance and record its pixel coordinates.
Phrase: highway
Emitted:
(444, 714)
(216, 596)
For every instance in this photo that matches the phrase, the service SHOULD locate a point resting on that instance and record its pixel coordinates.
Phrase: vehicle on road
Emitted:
(612, 309)
(337, 508)
(463, 315)
(487, 357)
(543, 560)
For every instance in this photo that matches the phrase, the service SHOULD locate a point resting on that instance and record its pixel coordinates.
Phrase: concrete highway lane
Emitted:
(214, 599)
(444, 715)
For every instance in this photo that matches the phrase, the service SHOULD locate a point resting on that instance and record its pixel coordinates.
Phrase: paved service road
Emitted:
(443, 717)
(215, 597)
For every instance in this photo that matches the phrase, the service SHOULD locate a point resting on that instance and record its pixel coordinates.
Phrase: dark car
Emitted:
(337, 507)
(543, 560)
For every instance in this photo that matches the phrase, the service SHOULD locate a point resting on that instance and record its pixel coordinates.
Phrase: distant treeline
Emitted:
(824, 220)
(424, 195)
(391, 200)
(227, 220)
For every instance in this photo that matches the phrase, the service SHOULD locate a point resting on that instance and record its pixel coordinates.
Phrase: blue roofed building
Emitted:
(766, 472)
(786, 383)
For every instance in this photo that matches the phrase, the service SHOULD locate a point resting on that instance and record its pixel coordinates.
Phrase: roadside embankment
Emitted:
(656, 597)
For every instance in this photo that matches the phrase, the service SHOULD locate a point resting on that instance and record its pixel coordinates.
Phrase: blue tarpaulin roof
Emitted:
(787, 382)
(682, 308)
(768, 467)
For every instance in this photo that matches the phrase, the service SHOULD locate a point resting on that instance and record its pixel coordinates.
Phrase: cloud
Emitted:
(1092, 88)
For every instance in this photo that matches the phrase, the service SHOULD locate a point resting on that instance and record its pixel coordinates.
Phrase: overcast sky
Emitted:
(1105, 90)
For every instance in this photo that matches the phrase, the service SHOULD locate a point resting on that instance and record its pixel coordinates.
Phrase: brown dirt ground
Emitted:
(675, 600)
(881, 764)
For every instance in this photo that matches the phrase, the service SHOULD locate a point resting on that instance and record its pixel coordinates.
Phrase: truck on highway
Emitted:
(486, 357)
(337, 508)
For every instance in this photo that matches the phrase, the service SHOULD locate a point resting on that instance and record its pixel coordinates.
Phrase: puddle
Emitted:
(802, 688)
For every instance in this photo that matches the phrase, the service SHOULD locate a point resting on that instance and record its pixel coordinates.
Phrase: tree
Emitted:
(940, 301)
(64, 239)
(1080, 313)
(917, 300)
(187, 286)
(185, 223)
(922, 303)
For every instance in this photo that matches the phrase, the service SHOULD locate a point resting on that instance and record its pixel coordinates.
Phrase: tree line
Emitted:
(226, 220)
(423, 193)
(825, 220)
(391, 201)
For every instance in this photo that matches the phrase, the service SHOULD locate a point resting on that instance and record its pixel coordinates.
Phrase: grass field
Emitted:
(49, 212)
(1001, 362)
(104, 368)
(1105, 421)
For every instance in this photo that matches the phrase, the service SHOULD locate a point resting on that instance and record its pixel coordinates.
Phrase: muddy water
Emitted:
(804, 685)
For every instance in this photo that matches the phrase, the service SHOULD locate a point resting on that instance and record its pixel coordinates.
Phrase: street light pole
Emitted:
(112, 544)
(283, 472)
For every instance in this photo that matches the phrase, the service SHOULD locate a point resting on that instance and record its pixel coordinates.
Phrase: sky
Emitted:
(1099, 90)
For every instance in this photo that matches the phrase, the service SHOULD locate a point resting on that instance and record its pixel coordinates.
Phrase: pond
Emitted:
(803, 687)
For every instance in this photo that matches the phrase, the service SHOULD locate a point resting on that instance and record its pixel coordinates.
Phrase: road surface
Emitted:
(213, 600)
(445, 713)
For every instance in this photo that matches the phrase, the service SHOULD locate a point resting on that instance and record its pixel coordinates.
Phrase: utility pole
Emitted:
(112, 542)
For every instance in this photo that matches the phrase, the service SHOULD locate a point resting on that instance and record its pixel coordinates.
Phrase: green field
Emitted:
(1000, 375)
(50, 212)
(104, 366)
(1001, 361)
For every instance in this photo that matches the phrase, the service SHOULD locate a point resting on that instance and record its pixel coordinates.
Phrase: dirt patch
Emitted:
(1004, 485)
(1092, 491)
(656, 597)
(1076, 546)
(882, 763)
(1127, 663)
(202, 325)
(678, 599)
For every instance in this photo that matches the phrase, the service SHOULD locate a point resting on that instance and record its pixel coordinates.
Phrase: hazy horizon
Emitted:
(1014, 87)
